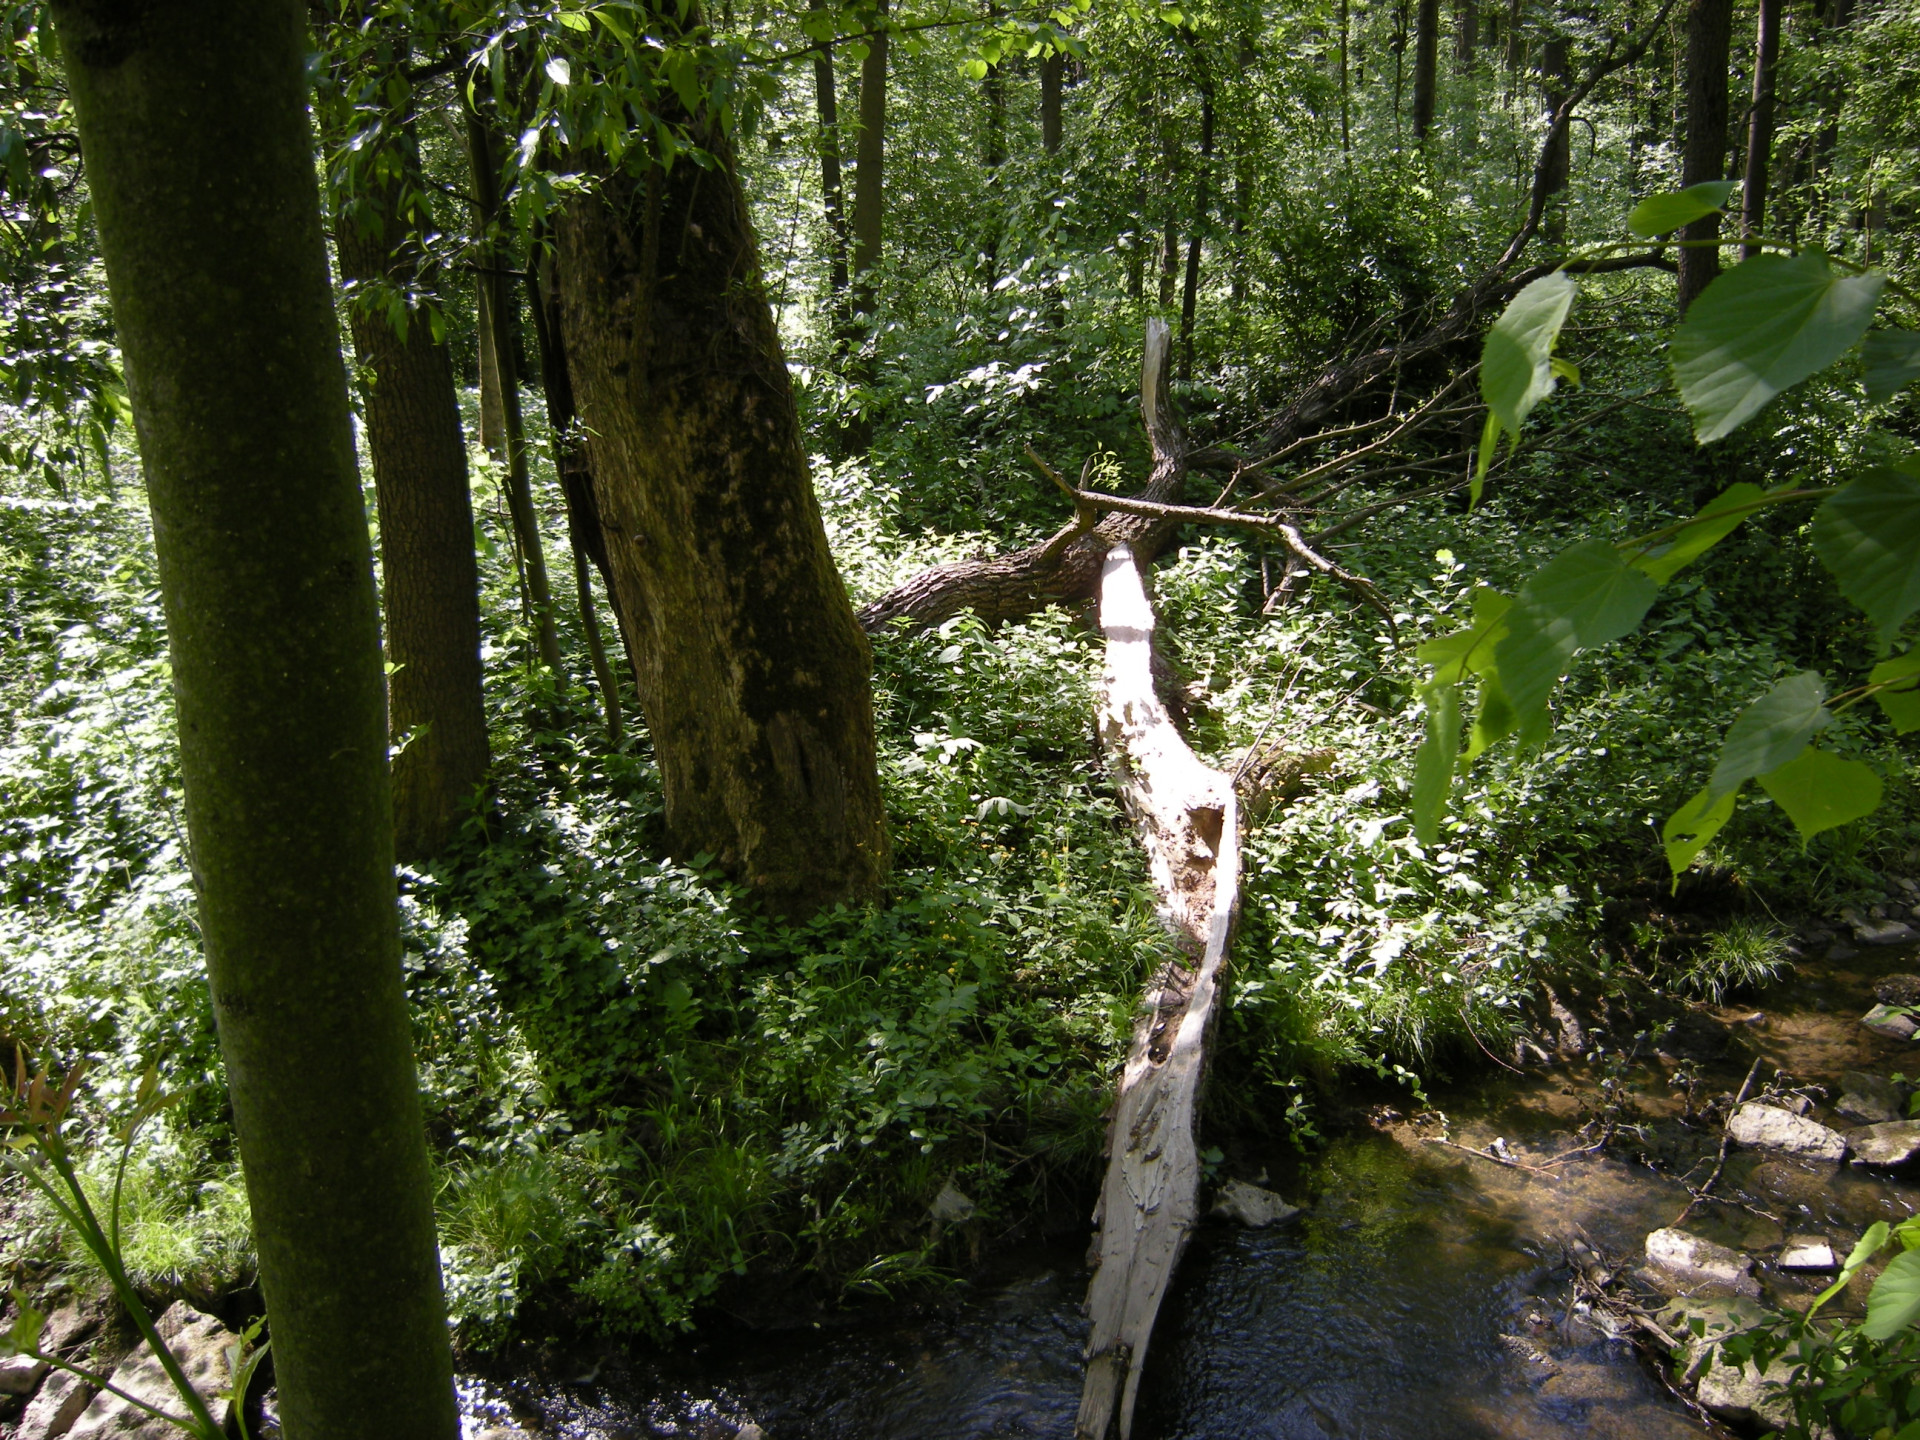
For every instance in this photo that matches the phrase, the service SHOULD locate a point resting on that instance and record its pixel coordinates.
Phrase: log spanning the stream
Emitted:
(1186, 817)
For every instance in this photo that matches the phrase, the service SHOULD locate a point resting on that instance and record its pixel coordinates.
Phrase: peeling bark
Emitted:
(1188, 822)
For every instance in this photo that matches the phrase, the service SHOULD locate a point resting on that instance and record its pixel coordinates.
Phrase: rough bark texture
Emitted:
(1426, 65)
(1556, 70)
(1766, 55)
(753, 676)
(1704, 154)
(1466, 35)
(1066, 566)
(428, 573)
(1188, 822)
(1053, 71)
(193, 116)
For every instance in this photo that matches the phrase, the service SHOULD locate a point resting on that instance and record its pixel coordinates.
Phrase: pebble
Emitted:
(1807, 1252)
(1251, 1206)
(950, 1206)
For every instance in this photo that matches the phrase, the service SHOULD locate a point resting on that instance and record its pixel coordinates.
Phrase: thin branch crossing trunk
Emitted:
(1188, 822)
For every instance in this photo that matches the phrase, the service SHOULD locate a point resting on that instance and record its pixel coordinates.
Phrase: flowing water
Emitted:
(1422, 1293)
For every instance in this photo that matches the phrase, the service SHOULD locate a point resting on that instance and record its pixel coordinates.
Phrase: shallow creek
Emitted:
(1422, 1293)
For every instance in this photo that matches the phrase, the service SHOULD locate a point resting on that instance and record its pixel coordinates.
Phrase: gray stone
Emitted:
(1807, 1252)
(749, 1431)
(1885, 932)
(1745, 1395)
(1768, 1128)
(20, 1373)
(1894, 1143)
(1690, 1260)
(950, 1207)
(199, 1342)
(54, 1409)
(1890, 1021)
(1872, 1099)
(1251, 1206)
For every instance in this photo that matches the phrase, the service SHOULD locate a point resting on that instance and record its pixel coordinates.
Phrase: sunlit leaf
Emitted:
(1585, 596)
(1901, 699)
(1661, 214)
(1707, 528)
(1433, 766)
(1691, 828)
(1494, 720)
(1868, 535)
(1468, 651)
(560, 70)
(1891, 360)
(1764, 325)
(1894, 1302)
(1771, 731)
(1516, 372)
(1864, 1249)
(1820, 791)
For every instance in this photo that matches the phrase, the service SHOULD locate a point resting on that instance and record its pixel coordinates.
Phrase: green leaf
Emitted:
(1433, 766)
(1494, 720)
(1691, 828)
(1894, 1302)
(1470, 651)
(1900, 702)
(1864, 1249)
(560, 70)
(1819, 791)
(1489, 442)
(1700, 534)
(1659, 214)
(1892, 362)
(1868, 535)
(1762, 326)
(1771, 731)
(1516, 372)
(1586, 596)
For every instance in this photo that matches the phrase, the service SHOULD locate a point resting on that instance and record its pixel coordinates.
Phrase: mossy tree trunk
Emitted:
(430, 578)
(193, 123)
(753, 675)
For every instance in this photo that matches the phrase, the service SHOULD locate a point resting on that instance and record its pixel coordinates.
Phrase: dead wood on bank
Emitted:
(1188, 821)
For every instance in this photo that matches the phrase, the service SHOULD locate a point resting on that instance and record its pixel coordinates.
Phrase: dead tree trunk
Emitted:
(1066, 566)
(1188, 823)
(1704, 155)
(753, 676)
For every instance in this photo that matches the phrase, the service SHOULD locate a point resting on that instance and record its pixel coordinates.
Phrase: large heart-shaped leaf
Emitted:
(1762, 326)
(1659, 214)
(1894, 1302)
(1868, 535)
(1819, 791)
(1891, 362)
(1691, 828)
(1516, 370)
(1901, 699)
(1707, 528)
(1585, 596)
(1771, 731)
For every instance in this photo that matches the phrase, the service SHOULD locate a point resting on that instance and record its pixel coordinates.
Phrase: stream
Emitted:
(1422, 1293)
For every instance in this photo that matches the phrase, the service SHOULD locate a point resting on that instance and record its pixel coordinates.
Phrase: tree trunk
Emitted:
(1516, 46)
(1704, 154)
(1346, 88)
(1466, 35)
(1766, 53)
(200, 165)
(434, 708)
(826, 98)
(493, 420)
(869, 213)
(753, 675)
(1556, 72)
(1053, 71)
(1400, 19)
(483, 155)
(1426, 66)
(993, 89)
(1190, 291)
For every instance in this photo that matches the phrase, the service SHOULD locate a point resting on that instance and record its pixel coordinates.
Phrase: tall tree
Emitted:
(1202, 206)
(1426, 65)
(429, 576)
(1703, 154)
(869, 215)
(1556, 77)
(201, 167)
(826, 99)
(753, 675)
(1053, 70)
(1466, 35)
(501, 304)
(1766, 56)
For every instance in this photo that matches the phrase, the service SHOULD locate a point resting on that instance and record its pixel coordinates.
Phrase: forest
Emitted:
(679, 679)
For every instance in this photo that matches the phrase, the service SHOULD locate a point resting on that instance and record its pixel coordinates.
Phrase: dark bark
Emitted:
(428, 572)
(1202, 203)
(1556, 73)
(1400, 28)
(493, 422)
(1766, 54)
(1346, 87)
(1426, 66)
(826, 98)
(483, 153)
(869, 214)
(1516, 46)
(753, 676)
(1466, 35)
(200, 164)
(1053, 71)
(1703, 155)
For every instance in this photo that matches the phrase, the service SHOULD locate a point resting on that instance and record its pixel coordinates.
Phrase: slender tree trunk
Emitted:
(1516, 47)
(493, 420)
(1400, 26)
(826, 99)
(752, 671)
(1766, 52)
(1426, 66)
(432, 603)
(1170, 225)
(571, 464)
(200, 166)
(993, 155)
(1466, 35)
(483, 155)
(869, 211)
(1704, 154)
(1556, 73)
(1202, 202)
(1834, 16)
(1346, 87)
(1053, 71)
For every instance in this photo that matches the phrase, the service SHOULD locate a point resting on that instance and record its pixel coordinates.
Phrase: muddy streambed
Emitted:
(1422, 1292)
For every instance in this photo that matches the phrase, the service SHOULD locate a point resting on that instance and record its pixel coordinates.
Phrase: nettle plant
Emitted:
(1763, 326)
